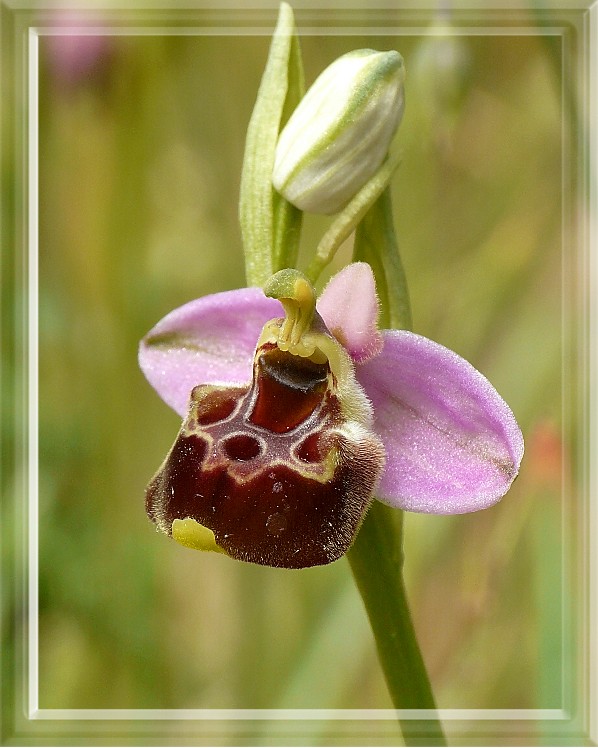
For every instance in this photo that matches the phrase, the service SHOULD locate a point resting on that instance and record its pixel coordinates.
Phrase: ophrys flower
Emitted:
(293, 423)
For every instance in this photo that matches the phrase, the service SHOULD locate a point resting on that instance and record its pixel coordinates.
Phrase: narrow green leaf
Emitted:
(288, 218)
(376, 244)
(256, 211)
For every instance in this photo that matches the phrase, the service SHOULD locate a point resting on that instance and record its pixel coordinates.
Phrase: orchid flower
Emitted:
(296, 413)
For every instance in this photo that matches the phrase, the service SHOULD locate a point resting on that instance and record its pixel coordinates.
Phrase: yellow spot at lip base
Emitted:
(191, 534)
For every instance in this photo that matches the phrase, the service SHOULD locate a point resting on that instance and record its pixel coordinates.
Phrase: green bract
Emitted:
(338, 136)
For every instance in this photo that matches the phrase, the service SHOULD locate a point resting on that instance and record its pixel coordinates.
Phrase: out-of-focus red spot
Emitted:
(544, 455)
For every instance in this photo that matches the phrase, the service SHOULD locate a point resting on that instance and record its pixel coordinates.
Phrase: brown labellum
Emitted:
(281, 471)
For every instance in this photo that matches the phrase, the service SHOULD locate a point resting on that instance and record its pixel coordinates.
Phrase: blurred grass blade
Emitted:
(376, 244)
(256, 205)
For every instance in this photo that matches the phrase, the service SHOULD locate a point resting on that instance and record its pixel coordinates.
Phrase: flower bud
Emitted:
(338, 136)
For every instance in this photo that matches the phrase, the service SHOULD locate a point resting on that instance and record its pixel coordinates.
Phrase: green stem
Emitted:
(376, 563)
(351, 216)
(376, 243)
(376, 557)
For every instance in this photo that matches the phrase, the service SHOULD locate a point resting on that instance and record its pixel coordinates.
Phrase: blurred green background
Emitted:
(141, 143)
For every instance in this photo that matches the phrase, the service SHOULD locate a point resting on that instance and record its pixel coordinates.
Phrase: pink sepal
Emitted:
(452, 443)
(207, 341)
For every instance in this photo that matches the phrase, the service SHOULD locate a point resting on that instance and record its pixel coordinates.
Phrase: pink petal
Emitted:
(207, 341)
(349, 306)
(452, 443)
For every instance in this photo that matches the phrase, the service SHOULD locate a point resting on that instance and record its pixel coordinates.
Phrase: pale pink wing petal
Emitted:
(349, 307)
(452, 443)
(209, 340)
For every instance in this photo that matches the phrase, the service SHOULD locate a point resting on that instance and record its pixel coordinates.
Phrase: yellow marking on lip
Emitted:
(191, 534)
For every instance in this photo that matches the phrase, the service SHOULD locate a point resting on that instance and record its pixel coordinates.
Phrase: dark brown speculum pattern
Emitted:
(274, 469)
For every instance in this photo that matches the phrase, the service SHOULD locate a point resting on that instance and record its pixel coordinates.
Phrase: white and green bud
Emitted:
(339, 134)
